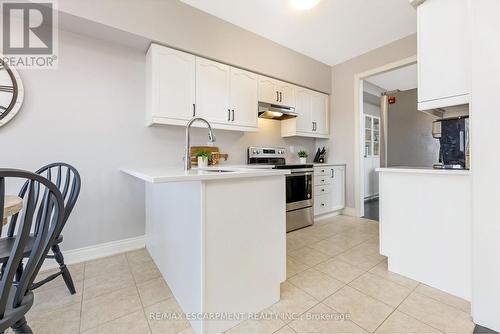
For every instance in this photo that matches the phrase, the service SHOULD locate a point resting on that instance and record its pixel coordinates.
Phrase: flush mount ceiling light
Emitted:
(304, 4)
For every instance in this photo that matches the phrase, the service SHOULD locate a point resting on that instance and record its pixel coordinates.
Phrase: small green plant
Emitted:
(302, 154)
(203, 153)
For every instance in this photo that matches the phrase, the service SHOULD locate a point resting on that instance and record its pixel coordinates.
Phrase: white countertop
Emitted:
(317, 164)
(165, 174)
(423, 170)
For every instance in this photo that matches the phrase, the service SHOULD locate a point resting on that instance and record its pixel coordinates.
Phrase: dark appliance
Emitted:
(453, 135)
(299, 185)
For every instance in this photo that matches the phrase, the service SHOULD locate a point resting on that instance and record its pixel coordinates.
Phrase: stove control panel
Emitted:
(266, 152)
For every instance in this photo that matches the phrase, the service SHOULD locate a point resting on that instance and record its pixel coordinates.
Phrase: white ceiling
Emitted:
(403, 79)
(332, 32)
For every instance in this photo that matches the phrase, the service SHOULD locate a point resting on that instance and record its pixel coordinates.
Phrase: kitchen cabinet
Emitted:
(181, 86)
(443, 54)
(276, 92)
(170, 85)
(312, 120)
(212, 90)
(329, 189)
(244, 92)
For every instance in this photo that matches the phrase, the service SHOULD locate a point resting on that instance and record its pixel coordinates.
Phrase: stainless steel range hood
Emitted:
(277, 112)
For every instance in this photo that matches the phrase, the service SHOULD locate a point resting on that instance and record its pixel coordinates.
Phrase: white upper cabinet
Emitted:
(276, 92)
(319, 113)
(312, 120)
(212, 90)
(286, 94)
(171, 84)
(443, 53)
(244, 92)
(268, 90)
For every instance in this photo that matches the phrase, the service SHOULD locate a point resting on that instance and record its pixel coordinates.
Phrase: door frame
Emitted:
(359, 175)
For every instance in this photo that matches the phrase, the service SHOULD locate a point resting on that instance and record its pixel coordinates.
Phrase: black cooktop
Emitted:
(293, 166)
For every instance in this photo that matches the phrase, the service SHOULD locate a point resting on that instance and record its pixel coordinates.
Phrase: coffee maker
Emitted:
(453, 135)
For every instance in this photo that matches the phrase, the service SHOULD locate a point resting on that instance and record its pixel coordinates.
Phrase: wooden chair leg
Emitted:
(64, 270)
(21, 327)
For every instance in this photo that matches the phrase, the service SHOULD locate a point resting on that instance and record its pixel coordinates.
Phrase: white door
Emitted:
(268, 90)
(338, 187)
(303, 108)
(286, 94)
(442, 49)
(174, 83)
(212, 90)
(320, 113)
(244, 97)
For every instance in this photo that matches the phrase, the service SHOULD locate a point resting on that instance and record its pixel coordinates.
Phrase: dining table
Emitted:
(12, 205)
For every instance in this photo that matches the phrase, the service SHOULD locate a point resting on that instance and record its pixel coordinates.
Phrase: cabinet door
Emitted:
(338, 188)
(244, 97)
(268, 90)
(286, 94)
(374, 179)
(442, 50)
(212, 90)
(368, 167)
(173, 83)
(303, 108)
(320, 112)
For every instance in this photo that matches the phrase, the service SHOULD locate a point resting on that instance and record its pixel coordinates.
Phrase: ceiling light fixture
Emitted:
(304, 4)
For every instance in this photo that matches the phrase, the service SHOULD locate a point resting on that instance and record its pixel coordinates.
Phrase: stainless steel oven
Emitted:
(299, 199)
(299, 185)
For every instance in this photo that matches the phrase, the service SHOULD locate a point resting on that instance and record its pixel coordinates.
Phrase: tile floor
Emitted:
(337, 283)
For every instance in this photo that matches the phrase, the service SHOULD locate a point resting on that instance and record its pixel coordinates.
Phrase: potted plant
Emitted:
(302, 156)
(203, 157)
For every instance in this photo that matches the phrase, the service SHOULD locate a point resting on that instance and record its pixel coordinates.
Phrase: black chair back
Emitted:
(67, 180)
(47, 213)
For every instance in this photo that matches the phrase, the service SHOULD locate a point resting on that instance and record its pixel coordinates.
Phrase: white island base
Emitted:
(219, 242)
(425, 226)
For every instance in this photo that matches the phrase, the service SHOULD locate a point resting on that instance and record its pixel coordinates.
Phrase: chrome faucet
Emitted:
(187, 149)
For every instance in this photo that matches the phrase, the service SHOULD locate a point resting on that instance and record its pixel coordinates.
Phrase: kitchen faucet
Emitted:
(187, 149)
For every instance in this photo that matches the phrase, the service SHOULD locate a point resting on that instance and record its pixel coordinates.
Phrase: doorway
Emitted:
(369, 134)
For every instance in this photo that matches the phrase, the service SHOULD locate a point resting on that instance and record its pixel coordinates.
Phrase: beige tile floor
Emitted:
(337, 283)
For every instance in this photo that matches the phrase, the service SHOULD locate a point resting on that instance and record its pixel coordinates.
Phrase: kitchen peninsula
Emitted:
(425, 226)
(218, 238)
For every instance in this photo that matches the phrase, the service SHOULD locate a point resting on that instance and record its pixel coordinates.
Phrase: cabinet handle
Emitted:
(277, 96)
(333, 173)
(323, 189)
(233, 114)
(313, 126)
(281, 97)
(194, 109)
(322, 180)
(229, 115)
(322, 204)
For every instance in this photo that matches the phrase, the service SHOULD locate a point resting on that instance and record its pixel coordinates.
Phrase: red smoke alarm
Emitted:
(392, 99)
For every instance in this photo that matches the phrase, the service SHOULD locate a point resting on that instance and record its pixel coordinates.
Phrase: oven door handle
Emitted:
(300, 173)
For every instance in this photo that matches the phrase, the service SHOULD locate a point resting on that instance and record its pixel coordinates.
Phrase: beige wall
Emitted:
(342, 142)
(175, 24)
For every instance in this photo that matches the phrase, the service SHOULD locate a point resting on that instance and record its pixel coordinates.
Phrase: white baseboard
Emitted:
(327, 215)
(349, 212)
(97, 251)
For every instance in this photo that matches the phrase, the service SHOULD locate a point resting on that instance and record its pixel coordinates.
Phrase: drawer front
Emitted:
(321, 180)
(321, 171)
(321, 204)
(322, 190)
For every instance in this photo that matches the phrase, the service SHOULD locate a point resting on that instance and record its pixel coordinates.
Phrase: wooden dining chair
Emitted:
(68, 181)
(44, 210)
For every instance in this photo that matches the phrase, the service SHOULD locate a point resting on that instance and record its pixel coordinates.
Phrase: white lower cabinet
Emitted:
(329, 189)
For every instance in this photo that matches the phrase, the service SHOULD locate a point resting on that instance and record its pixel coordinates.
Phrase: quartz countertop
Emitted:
(423, 170)
(165, 174)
